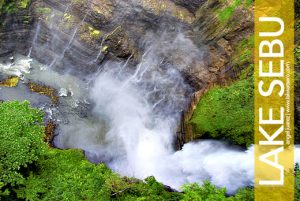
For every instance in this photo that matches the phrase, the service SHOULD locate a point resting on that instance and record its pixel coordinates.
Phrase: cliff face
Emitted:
(77, 35)
(79, 30)
(229, 41)
(14, 31)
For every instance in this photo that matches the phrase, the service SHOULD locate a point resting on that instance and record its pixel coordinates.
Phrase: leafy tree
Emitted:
(66, 175)
(21, 141)
(206, 192)
(244, 194)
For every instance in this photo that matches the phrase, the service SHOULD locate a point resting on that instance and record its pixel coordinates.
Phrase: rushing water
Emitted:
(129, 127)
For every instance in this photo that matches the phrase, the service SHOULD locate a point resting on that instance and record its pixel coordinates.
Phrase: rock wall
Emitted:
(77, 35)
(14, 31)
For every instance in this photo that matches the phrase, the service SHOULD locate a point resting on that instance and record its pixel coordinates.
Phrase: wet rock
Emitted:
(221, 35)
(118, 43)
(44, 90)
(50, 132)
(159, 7)
(191, 5)
(11, 81)
(169, 189)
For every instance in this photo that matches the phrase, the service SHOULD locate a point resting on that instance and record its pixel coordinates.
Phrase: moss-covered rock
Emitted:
(12, 81)
(226, 113)
(44, 90)
(8, 6)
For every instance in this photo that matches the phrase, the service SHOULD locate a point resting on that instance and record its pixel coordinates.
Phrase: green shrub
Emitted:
(66, 175)
(225, 14)
(227, 113)
(11, 6)
(206, 192)
(242, 58)
(21, 141)
(244, 194)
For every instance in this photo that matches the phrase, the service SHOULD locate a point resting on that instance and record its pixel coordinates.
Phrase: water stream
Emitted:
(126, 116)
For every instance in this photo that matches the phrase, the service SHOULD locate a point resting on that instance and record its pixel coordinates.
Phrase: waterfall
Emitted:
(69, 44)
(139, 111)
(126, 115)
(35, 38)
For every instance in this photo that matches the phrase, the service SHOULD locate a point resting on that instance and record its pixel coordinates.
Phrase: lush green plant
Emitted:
(206, 192)
(297, 182)
(9, 6)
(227, 12)
(227, 113)
(242, 58)
(21, 141)
(66, 175)
(244, 194)
(209, 192)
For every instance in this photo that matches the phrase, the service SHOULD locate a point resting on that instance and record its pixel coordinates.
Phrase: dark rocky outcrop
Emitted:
(192, 5)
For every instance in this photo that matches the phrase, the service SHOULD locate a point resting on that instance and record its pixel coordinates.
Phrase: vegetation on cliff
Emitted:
(8, 6)
(226, 113)
(21, 143)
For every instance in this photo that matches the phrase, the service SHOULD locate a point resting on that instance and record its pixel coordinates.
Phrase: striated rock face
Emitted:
(222, 35)
(76, 36)
(15, 31)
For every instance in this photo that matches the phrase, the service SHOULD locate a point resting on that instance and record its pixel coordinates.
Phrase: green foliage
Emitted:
(209, 192)
(31, 170)
(66, 175)
(297, 9)
(244, 194)
(94, 32)
(21, 141)
(9, 6)
(206, 192)
(243, 55)
(226, 13)
(297, 182)
(44, 10)
(226, 113)
(249, 2)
